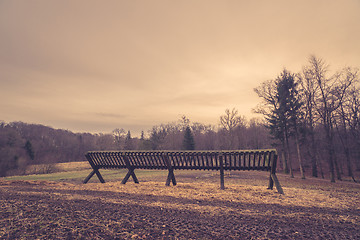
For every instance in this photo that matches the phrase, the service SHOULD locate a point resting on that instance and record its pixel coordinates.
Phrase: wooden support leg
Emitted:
(222, 181)
(88, 177)
(95, 171)
(99, 176)
(171, 177)
(271, 182)
(132, 174)
(134, 177)
(277, 183)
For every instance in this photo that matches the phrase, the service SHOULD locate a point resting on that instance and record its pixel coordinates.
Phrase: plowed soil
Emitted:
(194, 209)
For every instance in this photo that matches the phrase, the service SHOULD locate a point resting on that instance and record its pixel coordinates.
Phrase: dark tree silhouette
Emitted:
(188, 143)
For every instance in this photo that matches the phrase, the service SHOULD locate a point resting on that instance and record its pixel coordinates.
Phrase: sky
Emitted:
(93, 66)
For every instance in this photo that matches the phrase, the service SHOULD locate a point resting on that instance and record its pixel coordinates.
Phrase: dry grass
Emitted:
(194, 209)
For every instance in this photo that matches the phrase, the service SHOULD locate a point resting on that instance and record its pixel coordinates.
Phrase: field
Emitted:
(58, 206)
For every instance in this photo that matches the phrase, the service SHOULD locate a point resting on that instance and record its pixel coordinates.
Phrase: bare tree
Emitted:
(354, 122)
(332, 91)
(119, 135)
(310, 91)
(229, 121)
(344, 114)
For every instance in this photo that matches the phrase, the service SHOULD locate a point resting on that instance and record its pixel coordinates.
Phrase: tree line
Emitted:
(313, 117)
(23, 144)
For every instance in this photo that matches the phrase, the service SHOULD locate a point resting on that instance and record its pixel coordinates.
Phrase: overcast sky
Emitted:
(93, 66)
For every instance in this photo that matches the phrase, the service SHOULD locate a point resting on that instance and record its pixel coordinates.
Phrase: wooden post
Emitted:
(277, 184)
(95, 171)
(271, 163)
(171, 176)
(273, 178)
(222, 181)
(130, 172)
(88, 177)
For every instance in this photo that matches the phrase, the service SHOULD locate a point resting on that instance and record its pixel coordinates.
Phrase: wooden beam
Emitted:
(171, 178)
(90, 176)
(95, 171)
(277, 183)
(132, 174)
(222, 181)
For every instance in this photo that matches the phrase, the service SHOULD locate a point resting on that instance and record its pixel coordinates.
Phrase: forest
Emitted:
(23, 144)
(310, 117)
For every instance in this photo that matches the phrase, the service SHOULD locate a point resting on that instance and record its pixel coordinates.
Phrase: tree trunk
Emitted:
(345, 144)
(285, 159)
(357, 161)
(331, 134)
(330, 151)
(348, 164)
(299, 154)
(331, 164)
(338, 173)
(320, 165)
(288, 154)
(313, 149)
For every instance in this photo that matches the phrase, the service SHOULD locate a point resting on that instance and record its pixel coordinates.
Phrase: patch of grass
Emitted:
(79, 176)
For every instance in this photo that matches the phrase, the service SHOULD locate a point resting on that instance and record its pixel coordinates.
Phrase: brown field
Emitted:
(194, 209)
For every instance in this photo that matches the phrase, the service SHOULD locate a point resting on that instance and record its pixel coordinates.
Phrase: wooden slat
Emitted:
(143, 156)
(163, 164)
(176, 162)
(254, 160)
(99, 159)
(201, 155)
(148, 159)
(259, 161)
(90, 158)
(211, 161)
(96, 159)
(238, 160)
(197, 161)
(243, 160)
(207, 161)
(185, 159)
(225, 161)
(121, 158)
(140, 161)
(106, 160)
(217, 162)
(112, 160)
(158, 160)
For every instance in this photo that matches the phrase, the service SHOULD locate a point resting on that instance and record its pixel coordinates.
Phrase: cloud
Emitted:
(109, 115)
(139, 63)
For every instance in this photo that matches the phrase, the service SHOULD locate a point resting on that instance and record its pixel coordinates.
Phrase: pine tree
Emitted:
(128, 145)
(29, 149)
(290, 109)
(188, 142)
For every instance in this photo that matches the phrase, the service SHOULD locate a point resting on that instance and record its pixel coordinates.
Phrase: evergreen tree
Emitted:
(282, 112)
(144, 144)
(290, 108)
(188, 142)
(29, 149)
(128, 145)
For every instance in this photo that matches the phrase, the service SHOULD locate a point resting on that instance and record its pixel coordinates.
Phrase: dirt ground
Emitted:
(194, 209)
